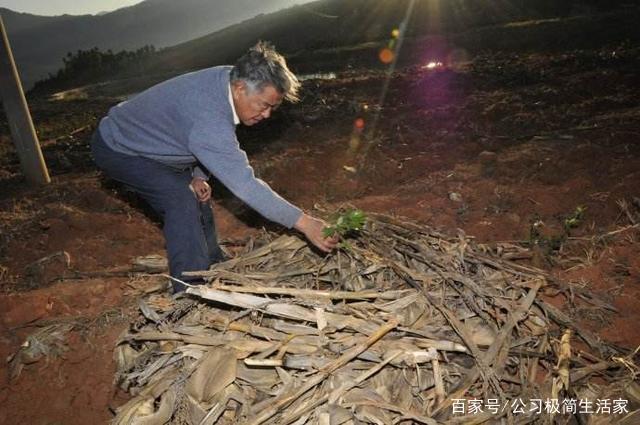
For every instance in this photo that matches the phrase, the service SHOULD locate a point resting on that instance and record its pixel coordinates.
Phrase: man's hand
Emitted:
(201, 189)
(312, 229)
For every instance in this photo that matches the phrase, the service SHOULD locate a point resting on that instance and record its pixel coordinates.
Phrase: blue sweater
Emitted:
(188, 119)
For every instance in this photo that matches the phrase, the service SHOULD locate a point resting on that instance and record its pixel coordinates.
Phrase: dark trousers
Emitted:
(188, 225)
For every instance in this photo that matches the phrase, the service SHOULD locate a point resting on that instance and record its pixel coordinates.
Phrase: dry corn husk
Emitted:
(396, 327)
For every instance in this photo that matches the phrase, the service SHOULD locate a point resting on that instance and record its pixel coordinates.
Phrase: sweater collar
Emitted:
(236, 119)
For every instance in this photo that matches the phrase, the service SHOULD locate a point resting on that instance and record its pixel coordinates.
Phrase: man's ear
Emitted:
(237, 86)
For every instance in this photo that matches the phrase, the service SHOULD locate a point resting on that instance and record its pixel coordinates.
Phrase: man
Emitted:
(163, 141)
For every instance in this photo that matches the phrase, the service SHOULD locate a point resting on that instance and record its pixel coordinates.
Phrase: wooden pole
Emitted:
(17, 112)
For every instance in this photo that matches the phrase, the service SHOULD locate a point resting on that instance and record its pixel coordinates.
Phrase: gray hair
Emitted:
(262, 66)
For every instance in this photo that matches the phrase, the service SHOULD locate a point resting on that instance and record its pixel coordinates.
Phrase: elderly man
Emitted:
(163, 142)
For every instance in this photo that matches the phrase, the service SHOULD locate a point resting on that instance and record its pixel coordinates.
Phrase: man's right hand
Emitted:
(312, 229)
(201, 188)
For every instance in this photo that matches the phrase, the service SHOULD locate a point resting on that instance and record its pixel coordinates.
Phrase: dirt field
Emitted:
(489, 147)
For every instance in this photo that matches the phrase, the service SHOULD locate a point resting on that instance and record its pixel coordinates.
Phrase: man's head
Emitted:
(260, 81)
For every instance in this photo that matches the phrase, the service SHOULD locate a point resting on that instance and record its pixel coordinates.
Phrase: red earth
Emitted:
(467, 147)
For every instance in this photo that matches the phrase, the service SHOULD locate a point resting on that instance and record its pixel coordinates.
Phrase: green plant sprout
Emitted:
(553, 243)
(574, 219)
(343, 224)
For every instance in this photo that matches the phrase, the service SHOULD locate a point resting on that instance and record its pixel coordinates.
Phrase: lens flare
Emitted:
(433, 65)
(354, 143)
(386, 55)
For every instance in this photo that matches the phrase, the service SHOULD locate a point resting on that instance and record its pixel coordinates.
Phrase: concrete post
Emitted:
(16, 109)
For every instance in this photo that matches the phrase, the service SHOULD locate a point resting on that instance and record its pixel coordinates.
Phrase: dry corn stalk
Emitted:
(398, 326)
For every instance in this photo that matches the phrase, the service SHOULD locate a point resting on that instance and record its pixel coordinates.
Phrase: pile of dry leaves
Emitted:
(404, 325)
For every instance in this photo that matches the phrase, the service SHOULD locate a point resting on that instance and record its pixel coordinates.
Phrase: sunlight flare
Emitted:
(386, 56)
(433, 65)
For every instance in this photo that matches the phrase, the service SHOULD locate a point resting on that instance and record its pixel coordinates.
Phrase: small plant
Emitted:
(343, 224)
(553, 242)
(574, 219)
(549, 243)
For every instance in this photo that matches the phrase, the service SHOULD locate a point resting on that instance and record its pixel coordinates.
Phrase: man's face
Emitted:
(254, 106)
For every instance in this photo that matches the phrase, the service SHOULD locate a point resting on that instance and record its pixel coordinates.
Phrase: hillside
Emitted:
(40, 42)
(335, 35)
(334, 24)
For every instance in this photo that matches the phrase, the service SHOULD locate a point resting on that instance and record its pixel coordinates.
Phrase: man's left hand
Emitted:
(201, 189)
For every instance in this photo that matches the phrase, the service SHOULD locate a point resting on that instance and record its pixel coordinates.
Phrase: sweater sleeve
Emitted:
(217, 148)
(199, 173)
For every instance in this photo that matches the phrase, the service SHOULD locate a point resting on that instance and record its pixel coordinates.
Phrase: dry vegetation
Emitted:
(396, 328)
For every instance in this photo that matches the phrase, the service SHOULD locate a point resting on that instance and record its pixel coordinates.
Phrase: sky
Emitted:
(60, 7)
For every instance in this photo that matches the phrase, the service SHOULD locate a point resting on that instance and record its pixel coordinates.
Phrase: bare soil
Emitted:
(487, 148)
